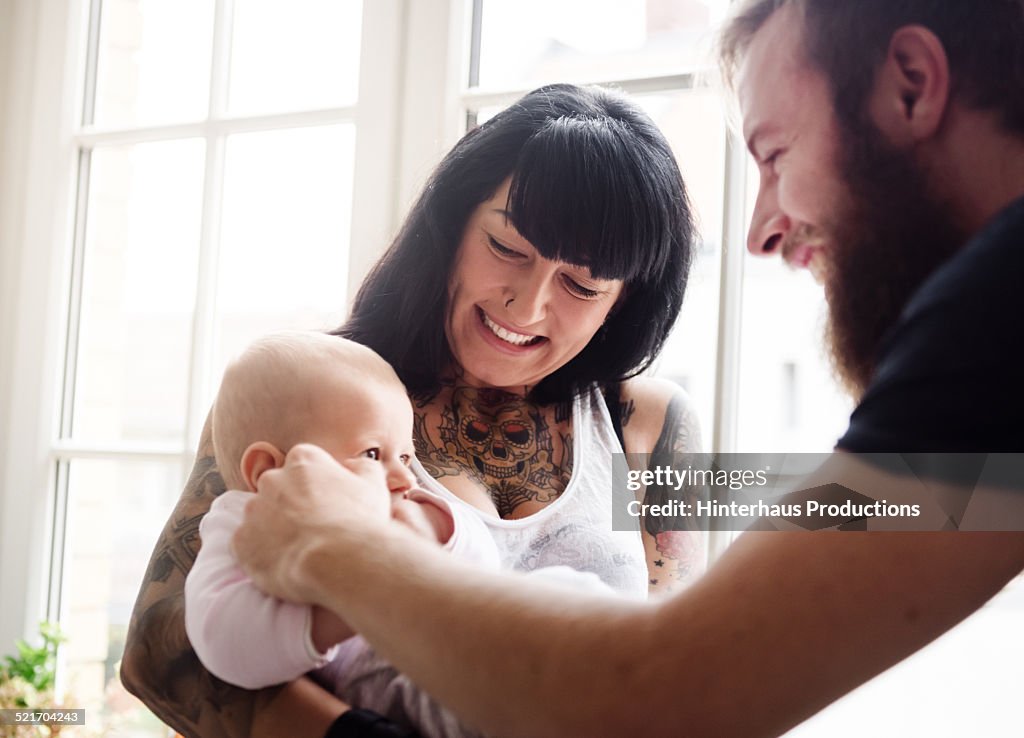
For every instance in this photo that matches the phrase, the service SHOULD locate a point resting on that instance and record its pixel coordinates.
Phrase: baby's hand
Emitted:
(423, 517)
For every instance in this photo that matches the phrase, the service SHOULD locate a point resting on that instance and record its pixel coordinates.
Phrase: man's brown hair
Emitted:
(848, 39)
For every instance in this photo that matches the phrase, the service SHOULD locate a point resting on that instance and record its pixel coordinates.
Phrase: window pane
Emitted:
(285, 234)
(789, 400)
(138, 292)
(525, 43)
(116, 510)
(692, 122)
(294, 55)
(154, 61)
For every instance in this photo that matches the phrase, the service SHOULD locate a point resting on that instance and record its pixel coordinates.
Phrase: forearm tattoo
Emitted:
(159, 664)
(679, 554)
(514, 449)
(178, 545)
(678, 557)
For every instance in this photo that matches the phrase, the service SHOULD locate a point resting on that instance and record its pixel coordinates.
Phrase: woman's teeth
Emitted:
(516, 339)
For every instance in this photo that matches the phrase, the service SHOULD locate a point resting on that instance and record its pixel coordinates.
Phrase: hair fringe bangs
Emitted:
(583, 192)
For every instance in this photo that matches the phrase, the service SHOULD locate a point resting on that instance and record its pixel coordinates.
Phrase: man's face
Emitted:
(839, 201)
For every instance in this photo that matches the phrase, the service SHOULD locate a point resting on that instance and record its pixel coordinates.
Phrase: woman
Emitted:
(542, 267)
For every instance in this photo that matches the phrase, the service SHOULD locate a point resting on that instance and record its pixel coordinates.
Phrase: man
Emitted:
(890, 140)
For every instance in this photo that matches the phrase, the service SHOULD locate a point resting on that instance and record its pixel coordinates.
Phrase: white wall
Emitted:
(32, 268)
(7, 252)
(15, 94)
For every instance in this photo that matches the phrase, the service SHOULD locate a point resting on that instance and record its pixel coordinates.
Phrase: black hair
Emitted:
(594, 183)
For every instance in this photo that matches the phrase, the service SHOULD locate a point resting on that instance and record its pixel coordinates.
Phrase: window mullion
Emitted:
(378, 112)
(204, 316)
(435, 54)
(224, 125)
(730, 297)
(476, 98)
(58, 535)
(91, 63)
(73, 324)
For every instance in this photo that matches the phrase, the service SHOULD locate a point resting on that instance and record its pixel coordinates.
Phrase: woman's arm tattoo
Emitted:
(680, 432)
(159, 665)
(675, 549)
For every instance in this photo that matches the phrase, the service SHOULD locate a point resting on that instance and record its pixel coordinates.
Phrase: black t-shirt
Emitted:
(950, 376)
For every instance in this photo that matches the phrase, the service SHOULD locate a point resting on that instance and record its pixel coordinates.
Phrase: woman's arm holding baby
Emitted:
(159, 664)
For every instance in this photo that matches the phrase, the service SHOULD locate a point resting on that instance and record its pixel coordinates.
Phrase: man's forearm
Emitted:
(782, 625)
(785, 624)
(490, 645)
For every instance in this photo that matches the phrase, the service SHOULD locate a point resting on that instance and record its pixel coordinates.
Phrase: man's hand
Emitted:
(309, 502)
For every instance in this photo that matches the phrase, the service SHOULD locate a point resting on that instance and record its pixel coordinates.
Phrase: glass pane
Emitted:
(525, 43)
(154, 61)
(694, 125)
(285, 234)
(141, 252)
(116, 510)
(789, 399)
(294, 55)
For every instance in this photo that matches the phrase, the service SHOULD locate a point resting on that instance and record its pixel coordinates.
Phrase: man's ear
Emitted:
(912, 87)
(256, 459)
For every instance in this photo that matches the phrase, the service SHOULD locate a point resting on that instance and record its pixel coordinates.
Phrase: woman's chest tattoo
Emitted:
(514, 450)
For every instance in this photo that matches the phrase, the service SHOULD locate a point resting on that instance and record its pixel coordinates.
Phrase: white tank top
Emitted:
(576, 529)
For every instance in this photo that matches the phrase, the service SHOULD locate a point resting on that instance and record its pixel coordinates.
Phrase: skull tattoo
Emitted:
(497, 435)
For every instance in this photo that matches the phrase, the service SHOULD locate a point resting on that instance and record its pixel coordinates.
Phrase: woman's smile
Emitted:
(521, 341)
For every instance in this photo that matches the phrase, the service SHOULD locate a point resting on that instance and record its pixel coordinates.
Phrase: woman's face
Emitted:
(514, 316)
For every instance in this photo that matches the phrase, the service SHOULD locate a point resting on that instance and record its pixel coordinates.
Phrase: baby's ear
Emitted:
(256, 459)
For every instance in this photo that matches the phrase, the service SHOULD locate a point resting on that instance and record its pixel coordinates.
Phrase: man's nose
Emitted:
(768, 225)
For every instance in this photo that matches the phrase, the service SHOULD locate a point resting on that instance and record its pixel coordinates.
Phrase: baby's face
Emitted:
(369, 431)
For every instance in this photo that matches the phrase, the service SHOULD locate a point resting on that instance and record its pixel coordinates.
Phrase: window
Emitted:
(180, 177)
(209, 152)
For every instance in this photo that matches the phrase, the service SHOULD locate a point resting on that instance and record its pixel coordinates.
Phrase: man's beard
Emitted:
(888, 236)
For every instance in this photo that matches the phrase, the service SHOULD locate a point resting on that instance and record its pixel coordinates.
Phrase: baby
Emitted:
(311, 388)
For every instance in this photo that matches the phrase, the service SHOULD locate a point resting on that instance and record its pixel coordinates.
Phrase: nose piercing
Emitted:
(509, 301)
